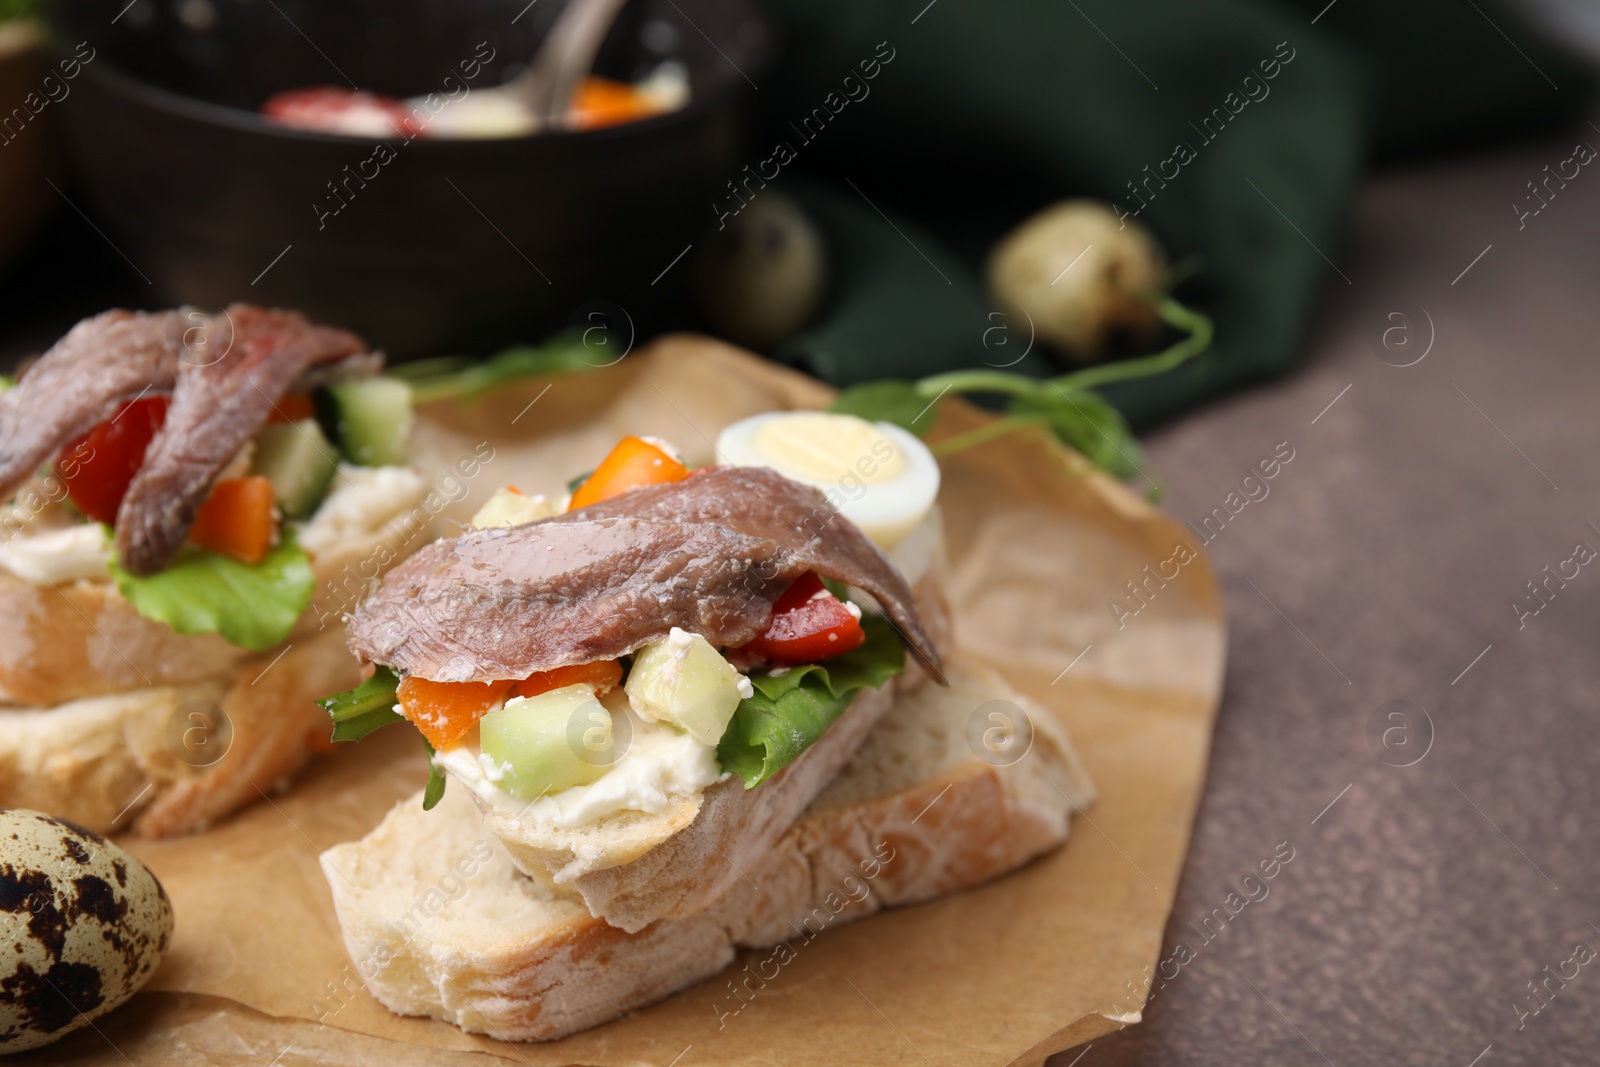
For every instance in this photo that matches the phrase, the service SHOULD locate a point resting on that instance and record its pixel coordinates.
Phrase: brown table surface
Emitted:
(1382, 566)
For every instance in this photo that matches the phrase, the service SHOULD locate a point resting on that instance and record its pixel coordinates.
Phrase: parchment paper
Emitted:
(1046, 958)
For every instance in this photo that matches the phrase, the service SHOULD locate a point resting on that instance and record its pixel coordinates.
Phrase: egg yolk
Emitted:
(823, 447)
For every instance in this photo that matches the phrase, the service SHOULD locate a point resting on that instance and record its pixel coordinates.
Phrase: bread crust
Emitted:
(520, 961)
(82, 639)
(109, 761)
(91, 689)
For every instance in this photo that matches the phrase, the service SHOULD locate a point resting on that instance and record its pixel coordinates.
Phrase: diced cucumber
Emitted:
(299, 461)
(549, 742)
(686, 682)
(370, 418)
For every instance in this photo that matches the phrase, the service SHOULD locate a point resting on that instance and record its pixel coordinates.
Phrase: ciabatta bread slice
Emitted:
(96, 701)
(111, 761)
(439, 922)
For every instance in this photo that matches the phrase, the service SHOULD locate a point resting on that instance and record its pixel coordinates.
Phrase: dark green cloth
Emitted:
(988, 112)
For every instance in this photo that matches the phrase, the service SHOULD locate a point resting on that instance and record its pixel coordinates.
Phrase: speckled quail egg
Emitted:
(1080, 275)
(879, 476)
(82, 926)
(760, 278)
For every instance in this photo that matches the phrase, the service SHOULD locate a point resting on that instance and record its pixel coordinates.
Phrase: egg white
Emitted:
(885, 511)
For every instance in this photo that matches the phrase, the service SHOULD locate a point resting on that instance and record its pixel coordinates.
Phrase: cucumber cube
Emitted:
(369, 417)
(299, 461)
(550, 742)
(686, 682)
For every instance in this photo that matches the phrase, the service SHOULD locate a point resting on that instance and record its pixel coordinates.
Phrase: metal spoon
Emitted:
(564, 59)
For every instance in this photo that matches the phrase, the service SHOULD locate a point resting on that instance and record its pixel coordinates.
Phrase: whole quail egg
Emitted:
(761, 277)
(82, 926)
(1080, 275)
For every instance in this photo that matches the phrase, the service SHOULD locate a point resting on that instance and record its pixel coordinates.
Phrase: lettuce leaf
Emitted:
(790, 711)
(253, 606)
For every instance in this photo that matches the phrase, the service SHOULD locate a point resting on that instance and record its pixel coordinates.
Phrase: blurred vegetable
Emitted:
(1079, 418)
(335, 109)
(237, 520)
(450, 377)
(1080, 275)
(253, 607)
(483, 113)
(761, 278)
(99, 466)
(603, 102)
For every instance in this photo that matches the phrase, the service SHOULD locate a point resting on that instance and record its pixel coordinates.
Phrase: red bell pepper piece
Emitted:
(99, 466)
(808, 624)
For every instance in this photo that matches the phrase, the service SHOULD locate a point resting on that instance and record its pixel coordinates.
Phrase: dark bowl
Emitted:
(425, 245)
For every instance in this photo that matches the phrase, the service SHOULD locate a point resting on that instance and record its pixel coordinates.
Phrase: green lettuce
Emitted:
(253, 606)
(789, 711)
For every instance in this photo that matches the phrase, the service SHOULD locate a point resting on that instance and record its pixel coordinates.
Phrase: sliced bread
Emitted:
(101, 708)
(439, 922)
(140, 757)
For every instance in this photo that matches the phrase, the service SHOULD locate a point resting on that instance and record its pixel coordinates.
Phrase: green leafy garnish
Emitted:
(449, 377)
(253, 606)
(1090, 425)
(790, 711)
(897, 402)
(368, 707)
(1065, 405)
(18, 9)
(433, 792)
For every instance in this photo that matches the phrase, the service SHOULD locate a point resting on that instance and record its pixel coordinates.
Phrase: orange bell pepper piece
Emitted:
(633, 464)
(237, 520)
(603, 675)
(443, 711)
